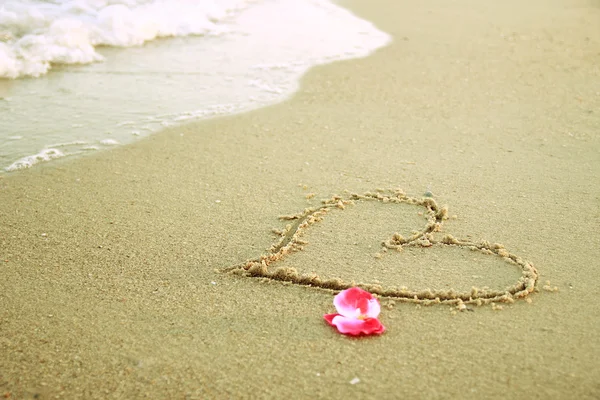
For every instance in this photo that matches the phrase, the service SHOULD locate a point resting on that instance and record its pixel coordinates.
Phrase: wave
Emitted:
(36, 34)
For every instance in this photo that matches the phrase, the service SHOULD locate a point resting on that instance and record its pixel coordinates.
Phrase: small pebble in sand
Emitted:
(550, 288)
(354, 381)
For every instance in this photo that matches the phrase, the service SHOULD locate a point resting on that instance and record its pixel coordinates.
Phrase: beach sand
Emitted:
(111, 264)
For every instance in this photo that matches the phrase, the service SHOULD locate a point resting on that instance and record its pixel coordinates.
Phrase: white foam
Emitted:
(109, 142)
(68, 144)
(243, 54)
(26, 162)
(38, 34)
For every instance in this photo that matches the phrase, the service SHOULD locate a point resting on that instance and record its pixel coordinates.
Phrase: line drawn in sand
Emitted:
(291, 241)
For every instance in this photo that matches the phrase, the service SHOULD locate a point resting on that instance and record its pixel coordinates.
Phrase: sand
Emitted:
(112, 282)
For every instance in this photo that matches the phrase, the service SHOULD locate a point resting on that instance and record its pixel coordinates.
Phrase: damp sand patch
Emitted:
(392, 245)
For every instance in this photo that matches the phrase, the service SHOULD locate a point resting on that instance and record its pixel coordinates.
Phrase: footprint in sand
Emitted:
(390, 244)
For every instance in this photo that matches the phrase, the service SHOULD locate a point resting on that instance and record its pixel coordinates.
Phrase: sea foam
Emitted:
(38, 34)
(104, 78)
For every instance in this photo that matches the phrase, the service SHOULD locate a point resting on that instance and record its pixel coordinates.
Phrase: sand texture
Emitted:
(133, 273)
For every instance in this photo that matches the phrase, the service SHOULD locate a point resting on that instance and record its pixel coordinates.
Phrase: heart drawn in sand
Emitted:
(292, 240)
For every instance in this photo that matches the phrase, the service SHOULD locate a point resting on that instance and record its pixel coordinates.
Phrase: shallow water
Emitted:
(252, 58)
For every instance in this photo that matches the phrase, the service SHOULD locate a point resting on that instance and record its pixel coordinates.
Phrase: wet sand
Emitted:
(112, 265)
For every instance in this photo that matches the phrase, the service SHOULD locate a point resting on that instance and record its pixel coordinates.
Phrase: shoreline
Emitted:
(79, 108)
(112, 284)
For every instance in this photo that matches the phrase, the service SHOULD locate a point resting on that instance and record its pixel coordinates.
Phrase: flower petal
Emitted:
(354, 326)
(373, 327)
(373, 309)
(348, 301)
(329, 318)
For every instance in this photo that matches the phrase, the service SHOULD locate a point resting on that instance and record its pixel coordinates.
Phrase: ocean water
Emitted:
(83, 75)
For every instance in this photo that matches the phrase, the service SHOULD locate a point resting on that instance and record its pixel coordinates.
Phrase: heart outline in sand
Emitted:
(291, 241)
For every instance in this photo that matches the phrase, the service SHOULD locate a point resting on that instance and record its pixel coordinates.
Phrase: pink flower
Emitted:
(357, 313)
